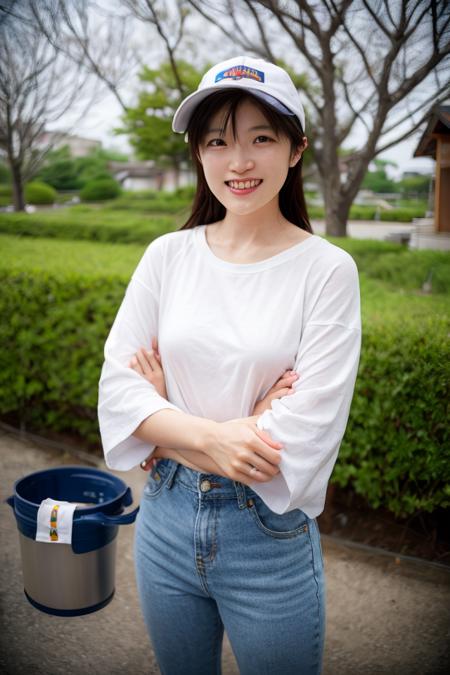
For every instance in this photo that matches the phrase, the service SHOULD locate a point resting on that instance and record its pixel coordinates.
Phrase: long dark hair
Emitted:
(206, 208)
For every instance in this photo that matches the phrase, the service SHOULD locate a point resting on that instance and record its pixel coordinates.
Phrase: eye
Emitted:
(212, 142)
(265, 138)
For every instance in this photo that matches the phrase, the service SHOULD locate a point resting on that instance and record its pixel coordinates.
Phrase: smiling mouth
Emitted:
(243, 185)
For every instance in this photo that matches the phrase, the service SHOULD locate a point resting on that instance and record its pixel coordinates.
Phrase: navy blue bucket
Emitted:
(77, 578)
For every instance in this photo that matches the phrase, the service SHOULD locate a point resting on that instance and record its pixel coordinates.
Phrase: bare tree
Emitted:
(375, 65)
(169, 24)
(38, 86)
(98, 39)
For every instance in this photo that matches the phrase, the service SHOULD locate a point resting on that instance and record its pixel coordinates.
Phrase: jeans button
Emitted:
(205, 485)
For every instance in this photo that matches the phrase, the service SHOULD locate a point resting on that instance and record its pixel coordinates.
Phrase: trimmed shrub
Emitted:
(363, 212)
(59, 301)
(6, 195)
(396, 450)
(403, 215)
(398, 266)
(85, 222)
(39, 193)
(100, 190)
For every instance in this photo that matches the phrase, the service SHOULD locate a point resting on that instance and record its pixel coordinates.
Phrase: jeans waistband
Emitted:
(208, 485)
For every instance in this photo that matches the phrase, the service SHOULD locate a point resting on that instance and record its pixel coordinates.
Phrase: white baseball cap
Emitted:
(265, 80)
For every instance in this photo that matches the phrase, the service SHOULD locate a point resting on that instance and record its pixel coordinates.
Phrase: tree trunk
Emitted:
(337, 209)
(337, 202)
(18, 196)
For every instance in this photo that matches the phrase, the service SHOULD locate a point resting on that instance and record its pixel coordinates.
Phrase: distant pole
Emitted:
(430, 197)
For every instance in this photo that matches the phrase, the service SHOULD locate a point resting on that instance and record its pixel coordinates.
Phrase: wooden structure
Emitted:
(435, 143)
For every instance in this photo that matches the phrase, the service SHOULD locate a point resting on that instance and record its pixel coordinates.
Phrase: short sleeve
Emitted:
(125, 398)
(311, 422)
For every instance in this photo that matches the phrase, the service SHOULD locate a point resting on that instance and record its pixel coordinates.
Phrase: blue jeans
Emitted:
(210, 555)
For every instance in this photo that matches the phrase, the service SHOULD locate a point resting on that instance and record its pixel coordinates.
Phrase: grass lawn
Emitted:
(390, 276)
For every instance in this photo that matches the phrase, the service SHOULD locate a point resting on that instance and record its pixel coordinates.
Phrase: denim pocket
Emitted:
(157, 479)
(281, 526)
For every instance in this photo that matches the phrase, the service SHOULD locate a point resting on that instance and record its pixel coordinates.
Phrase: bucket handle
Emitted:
(98, 518)
(102, 519)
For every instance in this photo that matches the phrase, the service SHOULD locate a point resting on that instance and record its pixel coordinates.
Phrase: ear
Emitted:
(298, 152)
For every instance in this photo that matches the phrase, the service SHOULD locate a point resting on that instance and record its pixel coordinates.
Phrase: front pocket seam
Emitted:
(289, 534)
(159, 487)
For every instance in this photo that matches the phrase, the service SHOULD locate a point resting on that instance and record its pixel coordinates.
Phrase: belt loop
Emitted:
(241, 495)
(173, 469)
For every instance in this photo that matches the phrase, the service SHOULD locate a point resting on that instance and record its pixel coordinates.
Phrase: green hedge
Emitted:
(398, 266)
(59, 300)
(362, 212)
(87, 222)
(39, 193)
(57, 304)
(6, 195)
(100, 189)
(395, 452)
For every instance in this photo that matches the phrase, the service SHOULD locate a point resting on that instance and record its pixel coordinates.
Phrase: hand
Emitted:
(148, 364)
(240, 447)
(282, 387)
(193, 459)
(152, 460)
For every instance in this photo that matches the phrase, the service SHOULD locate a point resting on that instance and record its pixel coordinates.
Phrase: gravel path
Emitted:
(383, 615)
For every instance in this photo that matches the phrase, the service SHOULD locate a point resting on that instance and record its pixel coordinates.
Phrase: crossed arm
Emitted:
(149, 365)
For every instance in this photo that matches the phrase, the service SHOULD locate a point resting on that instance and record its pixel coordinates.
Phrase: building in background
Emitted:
(435, 143)
(79, 146)
(140, 175)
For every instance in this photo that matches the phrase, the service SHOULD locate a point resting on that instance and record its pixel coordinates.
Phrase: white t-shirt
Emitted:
(226, 332)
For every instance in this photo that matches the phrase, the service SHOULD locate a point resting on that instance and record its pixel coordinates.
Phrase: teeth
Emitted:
(241, 185)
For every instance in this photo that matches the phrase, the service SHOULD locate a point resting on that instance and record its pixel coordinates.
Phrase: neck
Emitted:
(254, 228)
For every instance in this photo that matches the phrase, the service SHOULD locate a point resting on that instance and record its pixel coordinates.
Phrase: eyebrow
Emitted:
(257, 128)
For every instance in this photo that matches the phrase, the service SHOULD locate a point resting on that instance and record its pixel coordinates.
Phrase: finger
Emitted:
(152, 360)
(246, 476)
(155, 345)
(147, 464)
(264, 463)
(288, 379)
(143, 361)
(264, 436)
(158, 359)
(263, 468)
(134, 365)
(286, 391)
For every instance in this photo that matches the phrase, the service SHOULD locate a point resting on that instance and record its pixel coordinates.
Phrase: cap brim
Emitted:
(186, 108)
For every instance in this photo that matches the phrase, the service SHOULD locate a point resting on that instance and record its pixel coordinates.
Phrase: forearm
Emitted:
(199, 461)
(180, 431)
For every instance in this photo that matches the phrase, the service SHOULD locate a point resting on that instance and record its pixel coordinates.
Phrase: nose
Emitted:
(240, 161)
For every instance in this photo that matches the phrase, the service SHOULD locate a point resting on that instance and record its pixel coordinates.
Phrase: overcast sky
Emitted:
(105, 115)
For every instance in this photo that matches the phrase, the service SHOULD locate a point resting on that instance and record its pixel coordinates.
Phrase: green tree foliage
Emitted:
(149, 124)
(378, 180)
(5, 174)
(65, 172)
(415, 186)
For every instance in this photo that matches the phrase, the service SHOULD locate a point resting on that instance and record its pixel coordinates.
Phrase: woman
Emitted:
(254, 323)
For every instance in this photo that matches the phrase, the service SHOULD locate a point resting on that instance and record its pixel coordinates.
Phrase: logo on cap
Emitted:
(239, 72)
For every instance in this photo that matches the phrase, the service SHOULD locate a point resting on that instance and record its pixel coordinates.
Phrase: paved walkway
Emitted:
(383, 616)
(422, 235)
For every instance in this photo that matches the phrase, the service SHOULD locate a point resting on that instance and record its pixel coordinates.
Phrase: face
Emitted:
(246, 173)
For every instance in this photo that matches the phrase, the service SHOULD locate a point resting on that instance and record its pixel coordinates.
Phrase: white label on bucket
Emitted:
(55, 521)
